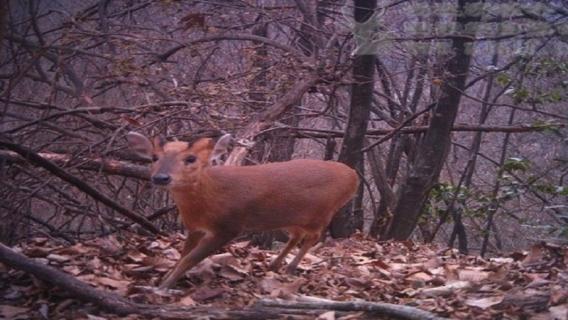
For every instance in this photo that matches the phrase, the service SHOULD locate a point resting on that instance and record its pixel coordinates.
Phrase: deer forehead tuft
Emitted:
(176, 146)
(200, 144)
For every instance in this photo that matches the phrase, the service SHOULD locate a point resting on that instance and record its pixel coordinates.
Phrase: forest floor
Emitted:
(526, 285)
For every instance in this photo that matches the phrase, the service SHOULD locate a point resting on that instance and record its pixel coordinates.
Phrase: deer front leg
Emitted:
(206, 245)
(190, 243)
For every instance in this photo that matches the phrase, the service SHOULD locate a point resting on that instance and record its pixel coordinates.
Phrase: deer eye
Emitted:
(154, 158)
(190, 159)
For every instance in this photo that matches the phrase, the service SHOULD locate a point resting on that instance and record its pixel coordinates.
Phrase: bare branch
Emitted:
(33, 157)
(108, 166)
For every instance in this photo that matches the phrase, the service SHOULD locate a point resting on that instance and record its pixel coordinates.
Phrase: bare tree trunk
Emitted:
(494, 206)
(467, 175)
(388, 198)
(433, 148)
(347, 220)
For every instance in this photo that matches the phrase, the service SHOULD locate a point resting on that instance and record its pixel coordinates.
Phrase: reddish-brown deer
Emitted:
(217, 203)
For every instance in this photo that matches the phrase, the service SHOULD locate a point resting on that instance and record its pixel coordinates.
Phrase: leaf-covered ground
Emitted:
(532, 284)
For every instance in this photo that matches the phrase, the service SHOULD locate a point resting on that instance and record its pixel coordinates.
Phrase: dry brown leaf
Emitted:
(360, 260)
(77, 249)
(432, 263)
(385, 273)
(445, 290)
(398, 266)
(187, 301)
(499, 273)
(419, 276)
(535, 276)
(558, 295)
(232, 273)
(193, 20)
(131, 121)
(89, 278)
(204, 270)
(311, 259)
(37, 251)
(380, 263)
(171, 253)
(109, 245)
(535, 255)
(12, 312)
(72, 269)
(484, 303)
(538, 282)
(502, 260)
(289, 289)
(475, 276)
(400, 258)
(112, 283)
(330, 315)
(224, 259)
(205, 293)
(136, 256)
(135, 270)
(353, 316)
(158, 244)
(241, 244)
(58, 258)
(269, 284)
(94, 264)
(559, 312)
(158, 263)
(451, 272)
(529, 298)
(358, 283)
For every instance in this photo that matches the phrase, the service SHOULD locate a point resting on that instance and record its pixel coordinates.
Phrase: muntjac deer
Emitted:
(217, 203)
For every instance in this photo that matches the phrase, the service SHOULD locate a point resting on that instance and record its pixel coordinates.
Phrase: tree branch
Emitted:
(114, 167)
(265, 119)
(164, 56)
(324, 133)
(36, 159)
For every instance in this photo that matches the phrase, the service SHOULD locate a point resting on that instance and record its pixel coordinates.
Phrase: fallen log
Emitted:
(371, 308)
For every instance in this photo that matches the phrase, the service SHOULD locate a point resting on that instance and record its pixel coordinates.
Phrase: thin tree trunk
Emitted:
(494, 206)
(469, 169)
(434, 147)
(345, 223)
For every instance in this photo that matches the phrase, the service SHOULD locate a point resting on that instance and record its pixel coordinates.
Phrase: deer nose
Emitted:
(161, 179)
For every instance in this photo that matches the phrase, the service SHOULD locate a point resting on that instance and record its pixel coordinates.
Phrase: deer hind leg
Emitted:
(206, 245)
(309, 240)
(295, 238)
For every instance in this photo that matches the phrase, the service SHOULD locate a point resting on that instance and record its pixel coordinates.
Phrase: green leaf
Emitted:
(516, 164)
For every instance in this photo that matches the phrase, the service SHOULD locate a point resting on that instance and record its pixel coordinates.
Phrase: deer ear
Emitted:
(220, 148)
(140, 144)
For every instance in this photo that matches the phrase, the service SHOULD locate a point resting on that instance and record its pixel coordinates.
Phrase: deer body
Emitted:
(298, 193)
(217, 203)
